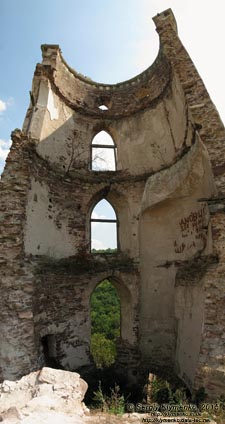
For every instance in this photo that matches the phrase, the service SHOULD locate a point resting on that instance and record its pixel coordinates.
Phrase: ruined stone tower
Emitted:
(167, 191)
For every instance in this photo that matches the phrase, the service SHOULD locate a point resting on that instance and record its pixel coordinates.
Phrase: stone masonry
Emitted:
(168, 193)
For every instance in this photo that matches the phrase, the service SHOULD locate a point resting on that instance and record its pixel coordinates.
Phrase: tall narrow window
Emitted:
(103, 228)
(103, 153)
(105, 324)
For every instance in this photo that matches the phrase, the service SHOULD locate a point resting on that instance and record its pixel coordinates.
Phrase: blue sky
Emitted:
(107, 40)
(103, 235)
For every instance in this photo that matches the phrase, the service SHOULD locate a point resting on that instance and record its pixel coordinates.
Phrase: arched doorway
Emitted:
(105, 310)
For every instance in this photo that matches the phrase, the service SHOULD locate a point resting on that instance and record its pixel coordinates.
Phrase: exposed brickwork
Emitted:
(168, 270)
(203, 110)
(123, 99)
(16, 278)
(211, 371)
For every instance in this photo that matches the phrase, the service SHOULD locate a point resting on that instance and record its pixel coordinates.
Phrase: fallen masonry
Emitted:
(55, 397)
(167, 189)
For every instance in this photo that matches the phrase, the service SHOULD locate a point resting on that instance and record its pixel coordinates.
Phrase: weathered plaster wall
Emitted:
(189, 316)
(63, 308)
(211, 362)
(58, 212)
(42, 235)
(65, 137)
(165, 241)
(175, 227)
(164, 137)
(160, 189)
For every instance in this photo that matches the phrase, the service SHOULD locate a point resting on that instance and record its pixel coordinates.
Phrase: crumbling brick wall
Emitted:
(162, 192)
(210, 369)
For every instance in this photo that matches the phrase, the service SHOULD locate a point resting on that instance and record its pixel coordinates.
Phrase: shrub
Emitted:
(116, 401)
(114, 404)
(103, 350)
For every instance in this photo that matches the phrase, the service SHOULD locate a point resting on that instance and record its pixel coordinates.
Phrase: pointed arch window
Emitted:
(103, 152)
(105, 308)
(103, 228)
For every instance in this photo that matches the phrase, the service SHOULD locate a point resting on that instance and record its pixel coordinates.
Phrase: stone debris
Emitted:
(167, 189)
(55, 397)
(49, 395)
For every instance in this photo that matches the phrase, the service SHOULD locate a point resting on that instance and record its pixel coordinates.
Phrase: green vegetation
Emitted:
(109, 250)
(105, 324)
(163, 392)
(103, 350)
(85, 262)
(114, 404)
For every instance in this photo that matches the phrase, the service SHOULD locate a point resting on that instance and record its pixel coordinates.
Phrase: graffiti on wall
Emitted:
(192, 228)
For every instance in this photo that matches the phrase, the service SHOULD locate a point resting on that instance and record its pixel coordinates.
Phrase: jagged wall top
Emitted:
(122, 99)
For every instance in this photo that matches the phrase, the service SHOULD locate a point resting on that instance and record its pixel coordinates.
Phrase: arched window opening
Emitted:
(103, 228)
(103, 153)
(105, 324)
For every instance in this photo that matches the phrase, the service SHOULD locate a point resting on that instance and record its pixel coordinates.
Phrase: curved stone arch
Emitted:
(108, 201)
(108, 223)
(190, 175)
(149, 86)
(119, 203)
(127, 300)
(103, 149)
(106, 129)
(174, 228)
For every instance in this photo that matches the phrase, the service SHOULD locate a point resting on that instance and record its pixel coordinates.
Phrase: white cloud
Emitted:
(3, 106)
(103, 234)
(4, 148)
(94, 215)
(97, 244)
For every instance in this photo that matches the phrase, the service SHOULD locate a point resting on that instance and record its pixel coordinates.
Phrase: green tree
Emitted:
(103, 350)
(105, 322)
